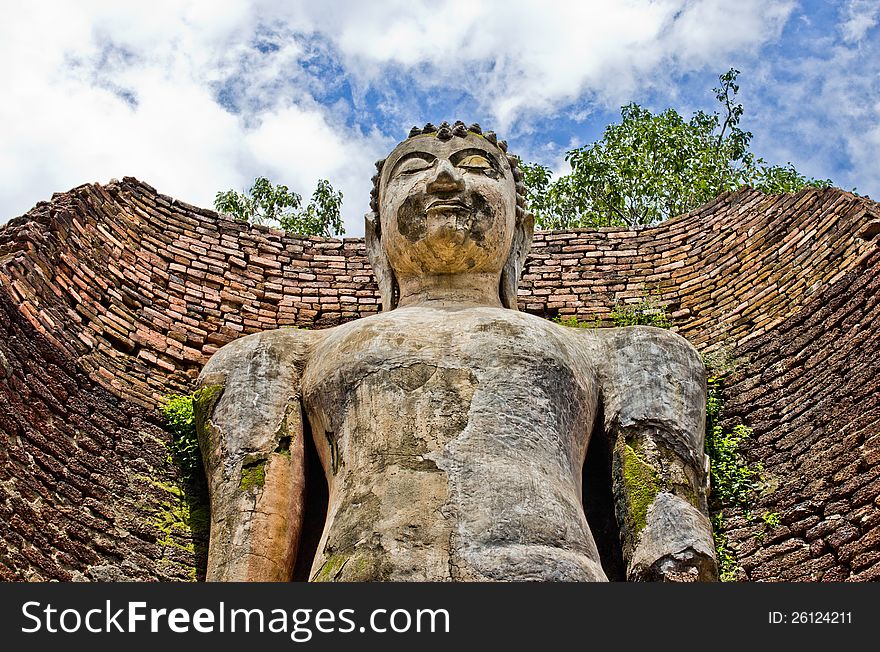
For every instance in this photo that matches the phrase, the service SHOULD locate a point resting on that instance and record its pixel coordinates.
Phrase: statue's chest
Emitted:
(410, 383)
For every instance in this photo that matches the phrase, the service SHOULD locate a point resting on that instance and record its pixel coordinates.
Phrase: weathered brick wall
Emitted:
(810, 390)
(131, 292)
(86, 491)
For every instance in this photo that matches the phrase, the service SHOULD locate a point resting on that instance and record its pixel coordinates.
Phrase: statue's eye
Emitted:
(475, 163)
(410, 166)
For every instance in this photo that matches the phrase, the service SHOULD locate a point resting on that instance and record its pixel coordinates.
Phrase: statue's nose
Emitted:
(447, 179)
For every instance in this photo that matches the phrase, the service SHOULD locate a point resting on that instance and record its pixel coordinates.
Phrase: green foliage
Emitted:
(733, 479)
(727, 566)
(184, 446)
(183, 518)
(714, 404)
(775, 179)
(771, 519)
(644, 313)
(556, 204)
(267, 203)
(651, 167)
(572, 322)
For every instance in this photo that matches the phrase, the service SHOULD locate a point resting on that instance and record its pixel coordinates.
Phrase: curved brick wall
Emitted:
(121, 294)
(810, 389)
(85, 488)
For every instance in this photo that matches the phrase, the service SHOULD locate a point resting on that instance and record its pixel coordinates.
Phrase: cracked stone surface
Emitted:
(451, 428)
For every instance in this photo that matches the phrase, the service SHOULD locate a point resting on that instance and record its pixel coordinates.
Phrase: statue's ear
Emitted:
(379, 262)
(522, 242)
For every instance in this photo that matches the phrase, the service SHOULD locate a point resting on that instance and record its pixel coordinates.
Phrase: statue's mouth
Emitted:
(442, 215)
(446, 205)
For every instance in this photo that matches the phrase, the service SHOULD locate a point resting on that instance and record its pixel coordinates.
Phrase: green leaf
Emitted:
(268, 203)
(648, 168)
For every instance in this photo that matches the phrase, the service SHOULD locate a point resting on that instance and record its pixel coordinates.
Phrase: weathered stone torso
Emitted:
(453, 442)
(453, 429)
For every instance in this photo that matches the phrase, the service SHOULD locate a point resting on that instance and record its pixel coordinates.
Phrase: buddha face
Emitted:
(447, 206)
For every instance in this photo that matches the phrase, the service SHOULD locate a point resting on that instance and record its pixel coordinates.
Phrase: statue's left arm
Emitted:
(653, 387)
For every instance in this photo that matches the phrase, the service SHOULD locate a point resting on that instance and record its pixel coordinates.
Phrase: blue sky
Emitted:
(196, 97)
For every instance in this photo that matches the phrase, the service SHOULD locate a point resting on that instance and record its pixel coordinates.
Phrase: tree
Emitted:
(652, 167)
(267, 203)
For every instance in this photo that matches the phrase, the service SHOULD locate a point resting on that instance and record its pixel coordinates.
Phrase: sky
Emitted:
(198, 97)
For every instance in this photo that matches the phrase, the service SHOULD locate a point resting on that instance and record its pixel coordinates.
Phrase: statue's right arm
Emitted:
(249, 422)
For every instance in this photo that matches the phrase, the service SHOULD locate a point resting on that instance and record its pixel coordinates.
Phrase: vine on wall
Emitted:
(184, 519)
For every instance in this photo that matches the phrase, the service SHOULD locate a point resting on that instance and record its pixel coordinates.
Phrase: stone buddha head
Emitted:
(448, 201)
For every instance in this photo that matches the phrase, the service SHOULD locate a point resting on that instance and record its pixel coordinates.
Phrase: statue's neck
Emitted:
(479, 289)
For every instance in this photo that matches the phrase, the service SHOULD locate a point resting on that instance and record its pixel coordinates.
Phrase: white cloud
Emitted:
(860, 17)
(96, 90)
(527, 56)
(520, 57)
(824, 115)
(129, 90)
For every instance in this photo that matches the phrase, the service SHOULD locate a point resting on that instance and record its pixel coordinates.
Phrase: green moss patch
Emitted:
(253, 475)
(330, 569)
(641, 486)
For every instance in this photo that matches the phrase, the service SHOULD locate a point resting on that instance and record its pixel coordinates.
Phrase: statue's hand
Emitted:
(675, 546)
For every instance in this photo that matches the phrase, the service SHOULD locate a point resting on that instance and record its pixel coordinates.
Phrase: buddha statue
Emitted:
(452, 430)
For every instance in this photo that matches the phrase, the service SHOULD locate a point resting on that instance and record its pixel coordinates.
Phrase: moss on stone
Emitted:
(641, 487)
(253, 475)
(330, 568)
(204, 400)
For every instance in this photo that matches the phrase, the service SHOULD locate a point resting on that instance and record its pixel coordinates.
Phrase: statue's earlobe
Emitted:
(522, 242)
(379, 262)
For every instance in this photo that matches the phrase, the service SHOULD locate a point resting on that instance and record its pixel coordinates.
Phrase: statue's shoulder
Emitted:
(248, 386)
(654, 382)
(646, 342)
(261, 354)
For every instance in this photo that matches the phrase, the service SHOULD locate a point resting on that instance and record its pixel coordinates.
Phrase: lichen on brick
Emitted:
(182, 522)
